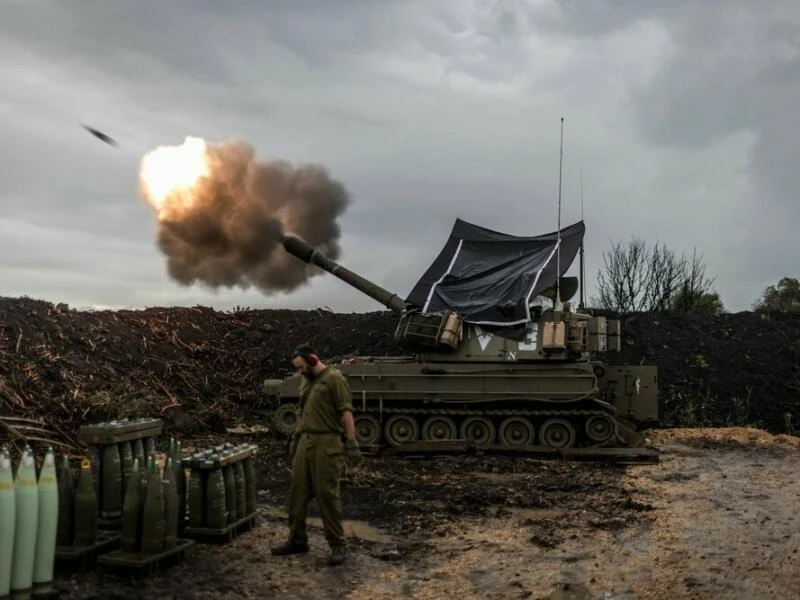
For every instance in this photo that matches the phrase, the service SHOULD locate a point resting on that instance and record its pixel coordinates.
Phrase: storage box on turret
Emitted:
(123, 430)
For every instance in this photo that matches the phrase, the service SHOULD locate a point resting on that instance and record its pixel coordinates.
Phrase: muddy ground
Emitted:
(716, 518)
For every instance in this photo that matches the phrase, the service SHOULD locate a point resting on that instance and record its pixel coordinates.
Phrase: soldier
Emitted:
(317, 453)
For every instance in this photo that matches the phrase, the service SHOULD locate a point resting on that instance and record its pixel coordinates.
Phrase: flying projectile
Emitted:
(100, 135)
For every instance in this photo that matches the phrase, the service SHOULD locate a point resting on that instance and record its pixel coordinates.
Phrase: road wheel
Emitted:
(286, 416)
(557, 433)
(478, 429)
(600, 428)
(401, 429)
(439, 428)
(368, 430)
(517, 431)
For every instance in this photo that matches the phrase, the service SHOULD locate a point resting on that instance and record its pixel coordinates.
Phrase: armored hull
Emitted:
(401, 400)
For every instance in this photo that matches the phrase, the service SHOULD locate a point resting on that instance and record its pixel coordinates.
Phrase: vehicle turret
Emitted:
(551, 334)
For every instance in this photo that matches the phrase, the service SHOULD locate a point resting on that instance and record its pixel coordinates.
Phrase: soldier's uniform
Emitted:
(319, 458)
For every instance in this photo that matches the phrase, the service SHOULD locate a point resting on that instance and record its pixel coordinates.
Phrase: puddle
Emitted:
(352, 528)
(357, 529)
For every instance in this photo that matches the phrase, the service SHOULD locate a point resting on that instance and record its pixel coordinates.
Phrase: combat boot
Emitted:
(336, 556)
(290, 547)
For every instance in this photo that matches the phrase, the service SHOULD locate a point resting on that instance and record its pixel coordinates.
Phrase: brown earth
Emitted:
(716, 518)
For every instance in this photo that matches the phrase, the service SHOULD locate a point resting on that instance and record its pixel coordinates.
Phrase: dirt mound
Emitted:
(735, 369)
(734, 437)
(202, 369)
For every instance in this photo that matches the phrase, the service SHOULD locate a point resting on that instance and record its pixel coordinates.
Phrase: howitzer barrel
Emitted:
(299, 248)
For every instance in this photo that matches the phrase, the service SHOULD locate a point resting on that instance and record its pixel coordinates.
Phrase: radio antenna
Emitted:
(583, 264)
(558, 305)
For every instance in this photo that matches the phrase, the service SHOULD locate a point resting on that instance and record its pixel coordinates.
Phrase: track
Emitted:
(555, 428)
(441, 435)
(571, 430)
(620, 456)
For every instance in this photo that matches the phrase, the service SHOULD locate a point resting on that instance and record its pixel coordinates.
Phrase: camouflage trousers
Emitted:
(316, 473)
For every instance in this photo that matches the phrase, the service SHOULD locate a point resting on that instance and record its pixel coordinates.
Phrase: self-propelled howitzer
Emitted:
(540, 381)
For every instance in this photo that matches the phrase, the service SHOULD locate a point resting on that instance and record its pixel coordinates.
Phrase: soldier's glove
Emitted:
(353, 453)
(293, 440)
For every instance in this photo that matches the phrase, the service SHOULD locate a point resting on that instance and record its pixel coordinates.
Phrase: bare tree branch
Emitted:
(635, 278)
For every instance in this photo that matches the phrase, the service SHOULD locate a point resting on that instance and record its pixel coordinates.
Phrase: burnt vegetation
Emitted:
(202, 370)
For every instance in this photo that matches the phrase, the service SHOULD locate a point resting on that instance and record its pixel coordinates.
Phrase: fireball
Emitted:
(170, 176)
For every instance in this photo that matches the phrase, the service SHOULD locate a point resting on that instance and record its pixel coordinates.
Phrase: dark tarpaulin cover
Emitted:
(489, 278)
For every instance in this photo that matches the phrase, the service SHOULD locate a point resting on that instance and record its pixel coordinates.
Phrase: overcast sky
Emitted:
(683, 117)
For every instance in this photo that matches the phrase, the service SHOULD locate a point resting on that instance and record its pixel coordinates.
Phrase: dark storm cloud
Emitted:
(426, 110)
(732, 67)
(117, 36)
(729, 73)
(589, 18)
(733, 72)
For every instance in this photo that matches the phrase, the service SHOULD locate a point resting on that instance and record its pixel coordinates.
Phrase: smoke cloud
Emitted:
(225, 229)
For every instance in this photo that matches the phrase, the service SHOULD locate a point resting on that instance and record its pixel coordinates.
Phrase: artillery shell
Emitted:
(138, 452)
(149, 446)
(146, 466)
(96, 458)
(230, 494)
(112, 482)
(241, 490)
(153, 523)
(85, 506)
(7, 522)
(132, 510)
(47, 527)
(197, 497)
(126, 457)
(250, 485)
(66, 504)
(170, 506)
(215, 499)
(180, 483)
(27, 517)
